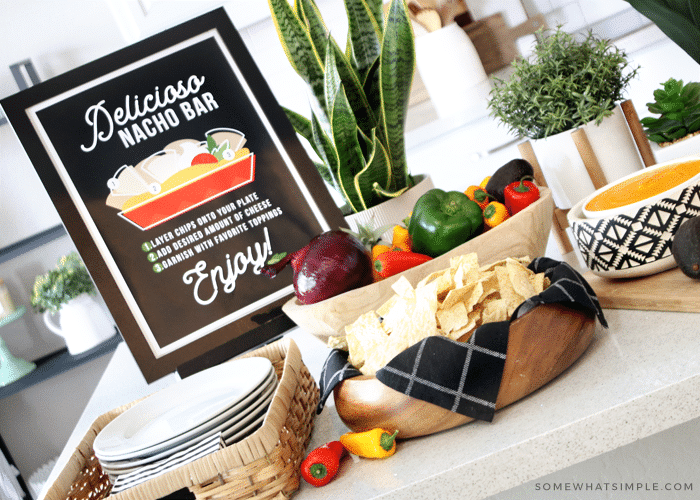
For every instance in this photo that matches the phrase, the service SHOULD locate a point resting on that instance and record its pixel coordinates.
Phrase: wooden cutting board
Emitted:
(667, 291)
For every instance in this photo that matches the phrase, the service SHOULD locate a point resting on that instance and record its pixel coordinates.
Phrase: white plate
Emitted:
(181, 407)
(244, 433)
(263, 402)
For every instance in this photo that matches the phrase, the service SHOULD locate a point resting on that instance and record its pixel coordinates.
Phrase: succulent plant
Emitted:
(678, 19)
(565, 84)
(679, 108)
(359, 96)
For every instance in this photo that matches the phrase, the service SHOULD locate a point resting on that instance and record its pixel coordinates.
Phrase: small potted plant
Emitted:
(68, 290)
(674, 120)
(359, 98)
(570, 84)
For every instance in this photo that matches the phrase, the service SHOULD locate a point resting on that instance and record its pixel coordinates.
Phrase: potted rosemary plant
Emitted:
(570, 84)
(359, 96)
(68, 290)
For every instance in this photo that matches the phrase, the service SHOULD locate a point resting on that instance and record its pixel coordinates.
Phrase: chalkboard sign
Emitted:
(177, 175)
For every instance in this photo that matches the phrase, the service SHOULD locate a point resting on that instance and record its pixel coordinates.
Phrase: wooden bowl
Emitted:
(541, 344)
(525, 234)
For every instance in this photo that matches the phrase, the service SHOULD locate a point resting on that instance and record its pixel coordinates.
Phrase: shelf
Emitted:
(57, 363)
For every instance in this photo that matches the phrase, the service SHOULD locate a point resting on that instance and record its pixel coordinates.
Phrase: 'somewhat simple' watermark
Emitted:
(616, 486)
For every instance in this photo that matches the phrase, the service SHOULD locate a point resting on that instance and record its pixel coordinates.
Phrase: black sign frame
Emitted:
(37, 116)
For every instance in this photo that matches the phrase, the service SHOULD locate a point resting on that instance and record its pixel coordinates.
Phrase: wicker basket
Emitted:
(265, 465)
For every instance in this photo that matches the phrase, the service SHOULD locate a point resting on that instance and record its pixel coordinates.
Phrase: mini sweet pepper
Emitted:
(442, 220)
(520, 194)
(375, 443)
(321, 465)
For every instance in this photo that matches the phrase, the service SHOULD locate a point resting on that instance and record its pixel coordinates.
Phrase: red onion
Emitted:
(332, 263)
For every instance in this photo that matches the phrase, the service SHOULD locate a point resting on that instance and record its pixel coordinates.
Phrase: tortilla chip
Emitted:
(339, 342)
(495, 310)
(364, 336)
(519, 277)
(453, 318)
(403, 288)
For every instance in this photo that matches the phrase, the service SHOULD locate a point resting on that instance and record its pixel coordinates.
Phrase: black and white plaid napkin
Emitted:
(465, 377)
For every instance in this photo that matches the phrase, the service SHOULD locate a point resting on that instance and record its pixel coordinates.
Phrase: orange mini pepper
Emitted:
(494, 214)
(478, 195)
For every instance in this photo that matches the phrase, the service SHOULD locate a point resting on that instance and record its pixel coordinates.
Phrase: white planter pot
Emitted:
(686, 147)
(564, 170)
(82, 323)
(452, 72)
(392, 211)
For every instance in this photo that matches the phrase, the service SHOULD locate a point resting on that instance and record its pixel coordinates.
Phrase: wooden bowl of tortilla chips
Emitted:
(541, 345)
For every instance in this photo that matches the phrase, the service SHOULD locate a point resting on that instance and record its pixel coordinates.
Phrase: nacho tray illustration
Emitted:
(185, 174)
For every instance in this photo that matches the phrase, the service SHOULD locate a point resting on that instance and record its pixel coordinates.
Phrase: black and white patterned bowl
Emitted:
(635, 240)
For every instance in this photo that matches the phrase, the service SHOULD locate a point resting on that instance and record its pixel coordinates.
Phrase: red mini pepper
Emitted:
(520, 194)
(322, 464)
(397, 261)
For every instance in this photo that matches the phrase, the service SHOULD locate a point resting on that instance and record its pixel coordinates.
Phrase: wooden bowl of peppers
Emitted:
(523, 234)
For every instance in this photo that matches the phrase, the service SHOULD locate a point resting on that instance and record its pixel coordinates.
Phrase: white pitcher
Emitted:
(82, 323)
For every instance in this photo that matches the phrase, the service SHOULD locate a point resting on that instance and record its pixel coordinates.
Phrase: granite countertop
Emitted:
(636, 379)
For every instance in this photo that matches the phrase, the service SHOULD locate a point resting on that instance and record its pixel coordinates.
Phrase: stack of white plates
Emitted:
(229, 399)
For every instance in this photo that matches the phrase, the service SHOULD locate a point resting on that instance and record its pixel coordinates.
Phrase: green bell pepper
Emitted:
(442, 220)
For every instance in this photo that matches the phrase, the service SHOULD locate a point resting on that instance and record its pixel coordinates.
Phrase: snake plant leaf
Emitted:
(370, 84)
(678, 19)
(377, 170)
(316, 27)
(397, 61)
(364, 34)
(301, 124)
(298, 46)
(339, 73)
(326, 151)
(331, 78)
(350, 159)
(305, 128)
(376, 8)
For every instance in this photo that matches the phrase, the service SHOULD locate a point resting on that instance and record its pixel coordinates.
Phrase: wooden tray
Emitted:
(667, 291)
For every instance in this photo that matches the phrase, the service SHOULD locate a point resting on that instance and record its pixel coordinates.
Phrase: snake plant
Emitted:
(678, 19)
(359, 96)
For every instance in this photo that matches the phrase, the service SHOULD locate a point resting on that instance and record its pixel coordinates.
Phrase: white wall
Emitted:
(56, 36)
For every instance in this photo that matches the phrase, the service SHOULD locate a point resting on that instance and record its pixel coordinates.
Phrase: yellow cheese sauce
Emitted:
(644, 186)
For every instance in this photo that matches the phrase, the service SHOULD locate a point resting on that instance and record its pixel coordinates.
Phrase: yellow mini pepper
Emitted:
(400, 238)
(494, 214)
(376, 443)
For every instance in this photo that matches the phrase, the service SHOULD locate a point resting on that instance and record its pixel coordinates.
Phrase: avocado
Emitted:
(686, 247)
(512, 171)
